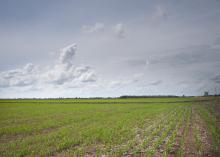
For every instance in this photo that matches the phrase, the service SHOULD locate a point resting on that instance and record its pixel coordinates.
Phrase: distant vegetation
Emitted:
(149, 96)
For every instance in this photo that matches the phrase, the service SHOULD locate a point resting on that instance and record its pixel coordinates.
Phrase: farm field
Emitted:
(110, 127)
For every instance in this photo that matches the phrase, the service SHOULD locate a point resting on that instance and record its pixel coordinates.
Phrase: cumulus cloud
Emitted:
(29, 68)
(119, 30)
(61, 73)
(19, 77)
(64, 72)
(97, 27)
(67, 53)
(85, 74)
(71, 77)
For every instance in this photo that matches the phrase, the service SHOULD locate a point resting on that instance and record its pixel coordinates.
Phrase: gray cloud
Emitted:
(190, 55)
(216, 79)
(136, 62)
(217, 41)
(156, 83)
(160, 12)
(121, 82)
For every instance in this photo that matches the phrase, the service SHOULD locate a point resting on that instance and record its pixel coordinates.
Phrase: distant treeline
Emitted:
(149, 96)
(121, 97)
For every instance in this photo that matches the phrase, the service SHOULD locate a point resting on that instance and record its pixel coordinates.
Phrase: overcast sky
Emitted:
(83, 48)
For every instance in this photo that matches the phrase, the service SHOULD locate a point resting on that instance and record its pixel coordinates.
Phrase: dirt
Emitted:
(190, 147)
(207, 146)
(190, 143)
(162, 147)
(176, 146)
(9, 138)
(64, 151)
(207, 142)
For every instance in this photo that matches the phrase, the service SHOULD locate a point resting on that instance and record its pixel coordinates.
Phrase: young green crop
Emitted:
(94, 127)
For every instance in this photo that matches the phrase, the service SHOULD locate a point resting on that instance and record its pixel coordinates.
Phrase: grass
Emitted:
(96, 127)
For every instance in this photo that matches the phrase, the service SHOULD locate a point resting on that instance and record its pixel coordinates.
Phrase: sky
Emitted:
(108, 48)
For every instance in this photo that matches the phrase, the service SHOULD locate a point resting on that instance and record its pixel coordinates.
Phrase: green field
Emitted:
(110, 127)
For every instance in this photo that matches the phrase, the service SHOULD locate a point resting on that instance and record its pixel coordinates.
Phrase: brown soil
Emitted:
(207, 147)
(176, 146)
(190, 143)
(207, 142)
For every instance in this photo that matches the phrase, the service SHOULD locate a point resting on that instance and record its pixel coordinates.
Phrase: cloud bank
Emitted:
(63, 72)
(61, 76)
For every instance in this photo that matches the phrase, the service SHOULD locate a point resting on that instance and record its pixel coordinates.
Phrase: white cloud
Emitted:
(85, 74)
(29, 67)
(64, 72)
(107, 30)
(97, 27)
(61, 73)
(67, 54)
(119, 30)
(62, 76)
(20, 77)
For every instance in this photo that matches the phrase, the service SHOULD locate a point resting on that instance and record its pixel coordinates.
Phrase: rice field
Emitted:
(110, 127)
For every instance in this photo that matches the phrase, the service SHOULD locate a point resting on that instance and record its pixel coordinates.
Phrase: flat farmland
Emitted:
(110, 127)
